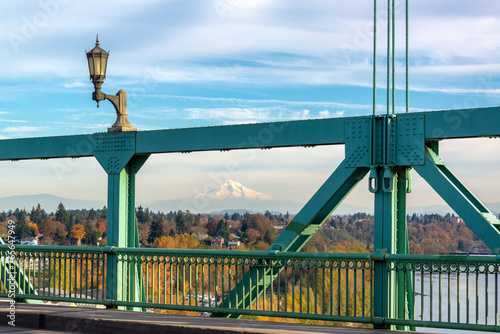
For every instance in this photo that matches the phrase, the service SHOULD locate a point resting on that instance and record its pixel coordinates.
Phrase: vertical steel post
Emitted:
(122, 232)
(404, 284)
(384, 242)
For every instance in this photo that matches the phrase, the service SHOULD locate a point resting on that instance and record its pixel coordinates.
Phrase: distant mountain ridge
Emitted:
(231, 196)
(48, 202)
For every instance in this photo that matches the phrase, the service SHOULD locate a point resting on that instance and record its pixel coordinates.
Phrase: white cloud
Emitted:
(23, 129)
(75, 84)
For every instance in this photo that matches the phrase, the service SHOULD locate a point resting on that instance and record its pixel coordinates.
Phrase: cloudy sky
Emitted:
(219, 62)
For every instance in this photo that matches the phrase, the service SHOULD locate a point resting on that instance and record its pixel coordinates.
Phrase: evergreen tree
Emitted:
(38, 215)
(142, 215)
(63, 216)
(147, 215)
(92, 215)
(104, 212)
(235, 216)
(171, 233)
(223, 229)
(180, 222)
(156, 230)
(21, 218)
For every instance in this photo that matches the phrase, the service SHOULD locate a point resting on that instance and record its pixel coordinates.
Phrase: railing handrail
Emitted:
(259, 254)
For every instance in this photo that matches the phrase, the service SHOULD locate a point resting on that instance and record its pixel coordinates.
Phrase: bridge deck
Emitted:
(109, 321)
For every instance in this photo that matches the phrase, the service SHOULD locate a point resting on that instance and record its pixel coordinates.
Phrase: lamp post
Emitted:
(98, 61)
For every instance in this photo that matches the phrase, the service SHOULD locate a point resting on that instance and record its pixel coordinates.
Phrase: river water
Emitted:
(474, 298)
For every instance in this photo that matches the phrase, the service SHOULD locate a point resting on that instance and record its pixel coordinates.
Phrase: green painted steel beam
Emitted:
(328, 131)
(295, 235)
(462, 123)
(477, 216)
(447, 124)
(46, 147)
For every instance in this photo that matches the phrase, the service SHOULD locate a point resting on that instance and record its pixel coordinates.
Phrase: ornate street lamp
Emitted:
(98, 61)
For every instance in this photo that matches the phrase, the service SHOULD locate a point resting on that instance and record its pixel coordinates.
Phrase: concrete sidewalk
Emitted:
(110, 321)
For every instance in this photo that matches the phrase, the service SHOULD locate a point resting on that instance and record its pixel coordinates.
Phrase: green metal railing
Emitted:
(72, 274)
(458, 292)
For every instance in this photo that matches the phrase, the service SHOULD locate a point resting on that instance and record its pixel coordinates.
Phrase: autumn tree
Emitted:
(77, 232)
(212, 228)
(260, 228)
(48, 228)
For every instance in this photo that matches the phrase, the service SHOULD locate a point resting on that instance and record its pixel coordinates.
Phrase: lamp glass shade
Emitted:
(98, 61)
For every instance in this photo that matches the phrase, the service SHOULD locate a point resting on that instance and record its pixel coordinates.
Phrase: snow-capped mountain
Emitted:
(233, 190)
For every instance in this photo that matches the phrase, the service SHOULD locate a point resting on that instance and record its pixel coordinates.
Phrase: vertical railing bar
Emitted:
(422, 291)
(477, 293)
(458, 294)
(441, 293)
(203, 281)
(184, 282)
(331, 287)
(431, 294)
(87, 277)
(209, 281)
(271, 272)
(497, 295)
(145, 264)
(355, 289)
(363, 276)
(92, 277)
(323, 306)
(158, 280)
(250, 286)
(177, 281)
(72, 264)
(316, 289)
(81, 275)
(294, 270)
(197, 282)
(264, 288)
(486, 308)
(216, 281)
(468, 295)
(300, 286)
(286, 286)
(190, 293)
(154, 264)
(222, 280)
(307, 287)
(347, 288)
(338, 288)
(164, 280)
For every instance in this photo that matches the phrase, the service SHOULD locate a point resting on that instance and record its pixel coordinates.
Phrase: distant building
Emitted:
(31, 241)
(217, 241)
(233, 243)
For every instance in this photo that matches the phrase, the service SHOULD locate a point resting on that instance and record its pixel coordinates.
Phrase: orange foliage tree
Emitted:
(77, 232)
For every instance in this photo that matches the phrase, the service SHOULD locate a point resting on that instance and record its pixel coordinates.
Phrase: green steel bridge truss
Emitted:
(384, 147)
